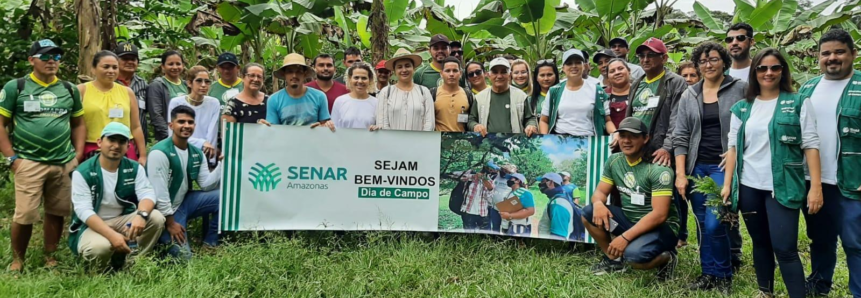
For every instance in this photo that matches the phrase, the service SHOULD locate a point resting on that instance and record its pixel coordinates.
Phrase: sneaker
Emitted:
(703, 282)
(607, 266)
(723, 285)
(762, 294)
(666, 271)
(813, 290)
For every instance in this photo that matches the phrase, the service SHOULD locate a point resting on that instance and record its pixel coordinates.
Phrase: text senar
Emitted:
(316, 173)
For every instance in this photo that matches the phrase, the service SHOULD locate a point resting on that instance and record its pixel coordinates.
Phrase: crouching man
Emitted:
(113, 202)
(646, 225)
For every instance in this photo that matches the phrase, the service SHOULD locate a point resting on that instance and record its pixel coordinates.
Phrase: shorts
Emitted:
(40, 183)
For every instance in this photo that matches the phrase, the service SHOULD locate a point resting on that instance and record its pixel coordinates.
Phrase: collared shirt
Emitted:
(477, 198)
(138, 86)
(448, 106)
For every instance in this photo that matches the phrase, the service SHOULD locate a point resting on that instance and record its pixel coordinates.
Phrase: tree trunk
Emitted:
(88, 34)
(109, 22)
(379, 25)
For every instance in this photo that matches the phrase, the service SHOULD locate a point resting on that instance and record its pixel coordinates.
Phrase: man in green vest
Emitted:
(229, 83)
(173, 166)
(500, 108)
(113, 202)
(837, 92)
(47, 143)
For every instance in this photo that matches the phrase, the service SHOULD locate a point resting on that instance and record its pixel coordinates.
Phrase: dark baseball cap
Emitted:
(633, 125)
(227, 57)
(455, 44)
(126, 48)
(439, 38)
(45, 46)
(619, 40)
(604, 52)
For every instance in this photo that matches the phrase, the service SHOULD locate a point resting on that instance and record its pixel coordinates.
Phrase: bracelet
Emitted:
(623, 237)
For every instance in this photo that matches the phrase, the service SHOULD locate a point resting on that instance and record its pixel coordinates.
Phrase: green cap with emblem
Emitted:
(116, 128)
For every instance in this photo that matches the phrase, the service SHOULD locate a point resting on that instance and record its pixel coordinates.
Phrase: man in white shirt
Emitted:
(172, 165)
(739, 40)
(837, 92)
(112, 220)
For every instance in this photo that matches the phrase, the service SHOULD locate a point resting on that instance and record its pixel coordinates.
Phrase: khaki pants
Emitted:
(35, 182)
(97, 250)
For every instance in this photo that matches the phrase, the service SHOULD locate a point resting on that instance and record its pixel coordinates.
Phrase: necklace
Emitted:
(192, 101)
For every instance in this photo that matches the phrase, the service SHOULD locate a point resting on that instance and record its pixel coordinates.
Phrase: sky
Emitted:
(463, 8)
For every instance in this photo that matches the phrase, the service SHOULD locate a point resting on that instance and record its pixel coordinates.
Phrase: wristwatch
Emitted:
(144, 214)
(11, 159)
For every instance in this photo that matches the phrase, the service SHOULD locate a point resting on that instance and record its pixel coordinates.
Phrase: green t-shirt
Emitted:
(176, 90)
(499, 116)
(427, 76)
(539, 103)
(646, 92)
(646, 179)
(224, 92)
(41, 115)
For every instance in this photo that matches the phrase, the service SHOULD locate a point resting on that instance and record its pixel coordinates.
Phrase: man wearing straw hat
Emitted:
(297, 104)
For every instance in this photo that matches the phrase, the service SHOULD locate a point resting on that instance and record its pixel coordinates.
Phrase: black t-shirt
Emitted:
(245, 113)
(710, 143)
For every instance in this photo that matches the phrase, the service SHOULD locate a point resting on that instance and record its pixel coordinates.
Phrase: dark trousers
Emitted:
(682, 206)
(495, 220)
(773, 229)
(473, 223)
(823, 229)
(851, 237)
(647, 246)
(714, 235)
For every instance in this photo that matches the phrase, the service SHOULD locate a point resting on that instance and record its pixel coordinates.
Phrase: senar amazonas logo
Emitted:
(265, 178)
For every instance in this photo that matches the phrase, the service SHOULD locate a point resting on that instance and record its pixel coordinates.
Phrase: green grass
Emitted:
(368, 264)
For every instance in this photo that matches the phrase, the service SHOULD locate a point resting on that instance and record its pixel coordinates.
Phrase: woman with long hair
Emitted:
(162, 89)
(207, 111)
(520, 76)
(545, 75)
(619, 78)
(772, 134)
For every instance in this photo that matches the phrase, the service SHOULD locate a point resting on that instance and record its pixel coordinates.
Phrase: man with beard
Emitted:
(457, 50)
(500, 108)
(114, 204)
(172, 166)
(229, 84)
(129, 62)
(296, 104)
(739, 40)
(836, 93)
(428, 75)
(324, 66)
(619, 46)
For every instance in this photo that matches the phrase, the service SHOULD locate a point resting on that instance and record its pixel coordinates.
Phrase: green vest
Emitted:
(91, 170)
(195, 160)
(784, 134)
(849, 129)
(554, 95)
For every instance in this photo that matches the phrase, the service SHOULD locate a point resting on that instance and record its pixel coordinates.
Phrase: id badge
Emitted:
(115, 113)
(653, 102)
(142, 104)
(638, 199)
(33, 106)
(462, 118)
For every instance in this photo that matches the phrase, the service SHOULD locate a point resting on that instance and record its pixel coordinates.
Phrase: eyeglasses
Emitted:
(546, 62)
(203, 81)
(774, 68)
(457, 53)
(712, 60)
(650, 55)
(474, 74)
(48, 57)
(740, 38)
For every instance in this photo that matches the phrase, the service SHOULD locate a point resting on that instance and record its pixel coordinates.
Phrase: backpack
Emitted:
(458, 194)
(578, 233)
(21, 82)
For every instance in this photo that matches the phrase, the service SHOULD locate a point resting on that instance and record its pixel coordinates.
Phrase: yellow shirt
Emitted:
(447, 106)
(98, 106)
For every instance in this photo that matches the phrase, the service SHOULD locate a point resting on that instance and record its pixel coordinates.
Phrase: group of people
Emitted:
(665, 128)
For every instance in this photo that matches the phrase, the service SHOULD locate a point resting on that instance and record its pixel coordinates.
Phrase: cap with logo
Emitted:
(633, 125)
(45, 46)
(556, 178)
(126, 48)
(603, 53)
(654, 44)
(619, 40)
(572, 53)
(500, 61)
(439, 38)
(227, 57)
(116, 129)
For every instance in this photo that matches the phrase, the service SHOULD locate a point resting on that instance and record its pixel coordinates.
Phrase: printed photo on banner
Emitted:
(510, 184)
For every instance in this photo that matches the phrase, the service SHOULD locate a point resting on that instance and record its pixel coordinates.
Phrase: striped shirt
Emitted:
(477, 198)
(405, 110)
(138, 86)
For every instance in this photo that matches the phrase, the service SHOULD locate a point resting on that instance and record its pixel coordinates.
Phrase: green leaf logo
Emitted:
(265, 178)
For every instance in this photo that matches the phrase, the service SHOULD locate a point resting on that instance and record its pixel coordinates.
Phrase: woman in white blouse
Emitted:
(772, 133)
(358, 108)
(405, 106)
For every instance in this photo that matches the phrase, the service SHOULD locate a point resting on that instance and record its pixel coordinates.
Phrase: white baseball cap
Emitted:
(499, 62)
(572, 52)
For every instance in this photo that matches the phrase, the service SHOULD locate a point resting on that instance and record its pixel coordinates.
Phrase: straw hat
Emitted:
(403, 54)
(293, 59)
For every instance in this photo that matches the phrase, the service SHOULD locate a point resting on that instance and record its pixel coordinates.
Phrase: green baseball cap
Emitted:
(116, 128)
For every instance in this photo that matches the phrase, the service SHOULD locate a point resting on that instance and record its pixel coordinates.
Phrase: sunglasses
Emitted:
(546, 62)
(651, 55)
(457, 53)
(740, 38)
(203, 81)
(48, 57)
(774, 68)
(474, 74)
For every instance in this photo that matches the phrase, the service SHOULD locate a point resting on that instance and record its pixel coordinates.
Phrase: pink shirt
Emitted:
(336, 91)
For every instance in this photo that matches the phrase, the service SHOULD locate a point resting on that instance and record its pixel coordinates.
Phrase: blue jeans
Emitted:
(474, 223)
(495, 220)
(851, 236)
(823, 229)
(196, 204)
(714, 242)
(647, 246)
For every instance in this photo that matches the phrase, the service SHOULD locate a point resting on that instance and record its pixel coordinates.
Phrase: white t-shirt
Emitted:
(206, 118)
(500, 190)
(349, 112)
(158, 168)
(574, 114)
(82, 198)
(756, 172)
(826, 98)
(741, 74)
